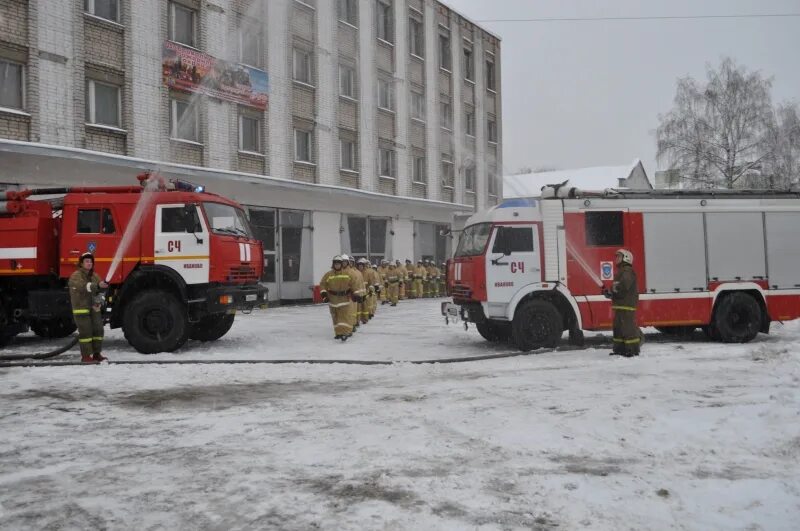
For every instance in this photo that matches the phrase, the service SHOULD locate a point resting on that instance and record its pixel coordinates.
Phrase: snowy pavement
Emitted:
(692, 435)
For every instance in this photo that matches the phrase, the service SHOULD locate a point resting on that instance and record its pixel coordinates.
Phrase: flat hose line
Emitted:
(42, 355)
(282, 362)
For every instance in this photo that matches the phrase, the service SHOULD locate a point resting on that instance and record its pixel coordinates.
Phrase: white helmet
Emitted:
(345, 258)
(337, 258)
(627, 256)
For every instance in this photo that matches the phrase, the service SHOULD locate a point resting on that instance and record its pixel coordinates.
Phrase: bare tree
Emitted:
(718, 133)
(782, 168)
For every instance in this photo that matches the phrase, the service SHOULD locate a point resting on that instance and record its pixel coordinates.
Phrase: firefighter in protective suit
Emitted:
(392, 281)
(369, 291)
(420, 276)
(374, 279)
(358, 291)
(87, 304)
(336, 288)
(624, 295)
(382, 270)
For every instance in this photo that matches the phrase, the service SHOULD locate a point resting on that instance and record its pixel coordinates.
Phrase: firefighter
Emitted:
(382, 270)
(369, 291)
(358, 293)
(420, 275)
(624, 295)
(336, 288)
(443, 280)
(435, 276)
(402, 272)
(377, 288)
(392, 283)
(87, 304)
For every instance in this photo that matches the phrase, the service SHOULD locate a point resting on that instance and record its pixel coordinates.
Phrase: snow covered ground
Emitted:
(692, 435)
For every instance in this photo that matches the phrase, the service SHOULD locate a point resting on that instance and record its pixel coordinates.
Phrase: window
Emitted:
(249, 134)
(448, 178)
(446, 114)
(416, 36)
(469, 122)
(492, 178)
(11, 85)
(225, 219)
(604, 229)
(347, 81)
(347, 11)
(469, 65)
(102, 103)
(367, 237)
(445, 60)
(384, 22)
(513, 240)
(386, 94)
(348, 154)
(182, 24)
(490, 79)
(107, 9)
(469, 179)
(302, 145)
(301, 65)
(418, 169)
(250, 46)
(386, 161)
(473, 240)
(180, 219)
(183, 121)
(95, 221)
(491, 130)
(418, 105)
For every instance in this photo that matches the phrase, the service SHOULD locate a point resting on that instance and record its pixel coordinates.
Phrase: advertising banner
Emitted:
(193, 71)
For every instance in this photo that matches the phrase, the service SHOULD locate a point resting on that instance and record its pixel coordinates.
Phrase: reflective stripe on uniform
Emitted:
(86, 340)
(80, 312)
(626, 341)
(97, 338)
(624, 308)
(339, 277)
(339, 305)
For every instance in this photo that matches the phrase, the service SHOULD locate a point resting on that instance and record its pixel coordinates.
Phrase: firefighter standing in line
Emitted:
(392, 283)
(377, 288)
(443, 280)
(420, 275)
(382, 270)
(624, 295)
(369, 291)
(336, 288)
(402, 272)
(358, 293)
(436, 278)
(87, 304)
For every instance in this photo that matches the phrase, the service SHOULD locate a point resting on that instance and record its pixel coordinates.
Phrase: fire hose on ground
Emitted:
(42, 355)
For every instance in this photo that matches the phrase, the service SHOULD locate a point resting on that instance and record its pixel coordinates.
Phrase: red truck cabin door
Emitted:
(89, 228)
(512, 262)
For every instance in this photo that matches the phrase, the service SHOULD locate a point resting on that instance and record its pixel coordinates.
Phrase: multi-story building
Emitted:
(359, 126)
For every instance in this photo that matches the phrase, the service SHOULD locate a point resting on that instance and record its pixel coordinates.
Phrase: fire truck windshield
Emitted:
(473, 240)
(225, 219)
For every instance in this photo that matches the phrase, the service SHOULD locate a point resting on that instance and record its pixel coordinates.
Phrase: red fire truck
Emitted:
(189, 260)
(727, 261)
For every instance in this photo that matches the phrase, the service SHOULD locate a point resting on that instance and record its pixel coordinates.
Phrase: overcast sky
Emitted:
(589, 93)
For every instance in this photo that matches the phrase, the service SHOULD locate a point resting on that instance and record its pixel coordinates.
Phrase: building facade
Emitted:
(360, 126)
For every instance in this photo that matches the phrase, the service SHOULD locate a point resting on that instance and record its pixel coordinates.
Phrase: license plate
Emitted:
(251, 298)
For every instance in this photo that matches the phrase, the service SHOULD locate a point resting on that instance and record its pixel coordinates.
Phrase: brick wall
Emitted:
(104, 43)
(14, 21)
(14, 126)
(104, 140)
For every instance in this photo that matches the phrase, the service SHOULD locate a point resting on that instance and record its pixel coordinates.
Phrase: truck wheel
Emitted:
(494, 332)
(738, 318)
(536, 324)
(53, 328)
(211, 327)
(155, 321)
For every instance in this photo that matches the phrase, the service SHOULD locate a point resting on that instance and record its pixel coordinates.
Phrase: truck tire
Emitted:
(211, 327)
(155, 321)
(494, 332)
(53, 328)
(536, 324)
(737, 318)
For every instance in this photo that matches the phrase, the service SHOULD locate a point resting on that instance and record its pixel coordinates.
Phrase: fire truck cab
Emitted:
(179, 261)
(531, 268)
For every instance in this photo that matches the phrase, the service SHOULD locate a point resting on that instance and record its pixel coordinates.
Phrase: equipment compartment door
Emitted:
(181, 242)
(512, 262)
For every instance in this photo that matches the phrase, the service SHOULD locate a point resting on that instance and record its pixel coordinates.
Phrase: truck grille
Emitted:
(242, 274)
(461, 292)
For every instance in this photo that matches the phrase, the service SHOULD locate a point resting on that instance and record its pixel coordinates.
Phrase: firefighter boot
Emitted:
(98, 357)
(87, 358)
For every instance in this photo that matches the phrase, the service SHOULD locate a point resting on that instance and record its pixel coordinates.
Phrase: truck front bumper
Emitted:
(228, 299)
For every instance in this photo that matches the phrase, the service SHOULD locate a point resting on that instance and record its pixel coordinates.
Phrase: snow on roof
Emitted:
(597, 178)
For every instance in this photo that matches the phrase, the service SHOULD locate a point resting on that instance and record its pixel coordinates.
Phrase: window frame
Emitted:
(504, 239)
(352, 81)
(309, 66)
(469, 64)
(415, 98)
(91, 108)
(491, 180)
(448, 176)
(171, 23)
(386, 87)
(242, 148)
(104, 214)
(352, 154)
(348, 4)
(309, 146)
(250, 29)
(598, 229)
(469, 181)
(444, 33)
(422, 178)
(416, 20)
(22, 84)
(175, 121)
(469, 122)
(491, 130)
(388, 28)
(89, 8)
(383, 152)
(446, 117)
(491, 73)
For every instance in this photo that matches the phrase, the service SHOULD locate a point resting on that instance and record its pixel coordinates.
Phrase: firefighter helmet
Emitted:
(84, 256)
(627, 256)
(338, 258)
(362, 262)
(345, 258)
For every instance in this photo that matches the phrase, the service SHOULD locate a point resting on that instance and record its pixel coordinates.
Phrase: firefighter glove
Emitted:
(324, 296)
(606, 293)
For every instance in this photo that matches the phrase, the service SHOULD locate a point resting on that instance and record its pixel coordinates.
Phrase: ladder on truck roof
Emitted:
(616, 193)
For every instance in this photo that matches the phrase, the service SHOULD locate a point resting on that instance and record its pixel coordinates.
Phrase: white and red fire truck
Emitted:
(189, 262)
(727, 261)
